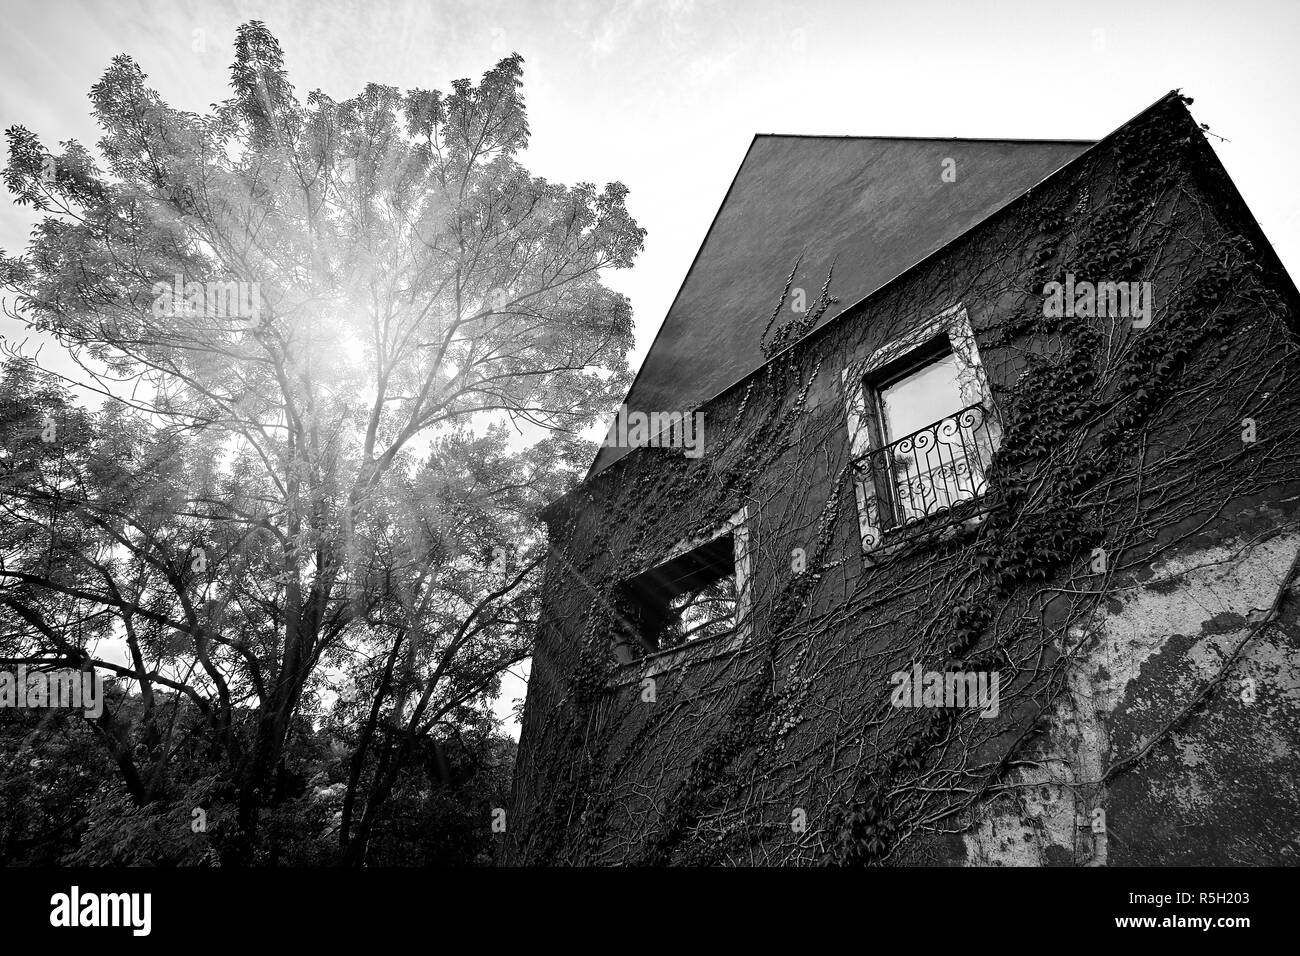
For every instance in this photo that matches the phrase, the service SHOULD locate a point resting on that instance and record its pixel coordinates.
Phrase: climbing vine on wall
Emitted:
(1112, 434)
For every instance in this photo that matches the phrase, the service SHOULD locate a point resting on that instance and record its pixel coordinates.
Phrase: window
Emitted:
(920, 398)
(929, 458)
(922, 430)
(688, 598)
(698, 592)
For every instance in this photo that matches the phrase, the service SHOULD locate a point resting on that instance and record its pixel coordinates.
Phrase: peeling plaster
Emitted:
(1147, 652)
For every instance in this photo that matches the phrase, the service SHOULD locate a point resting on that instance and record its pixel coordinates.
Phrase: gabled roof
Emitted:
(871, 206)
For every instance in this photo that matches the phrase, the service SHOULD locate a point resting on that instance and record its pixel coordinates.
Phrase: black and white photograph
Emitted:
(612, 448)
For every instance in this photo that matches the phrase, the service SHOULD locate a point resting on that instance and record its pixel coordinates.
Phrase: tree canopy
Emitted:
(345, 351)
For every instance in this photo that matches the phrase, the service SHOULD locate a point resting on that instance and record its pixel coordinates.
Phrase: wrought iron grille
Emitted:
(937, 475)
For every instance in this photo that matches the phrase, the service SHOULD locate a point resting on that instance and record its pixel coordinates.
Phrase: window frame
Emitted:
(949, 332)
(651, 663)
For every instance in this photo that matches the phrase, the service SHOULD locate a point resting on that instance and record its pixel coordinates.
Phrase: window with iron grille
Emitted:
(923, 431)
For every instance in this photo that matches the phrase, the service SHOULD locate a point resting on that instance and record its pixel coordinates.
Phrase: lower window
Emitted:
(686, 599)
(699, 591)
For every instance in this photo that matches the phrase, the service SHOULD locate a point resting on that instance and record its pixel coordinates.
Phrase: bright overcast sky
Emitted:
(665, 96)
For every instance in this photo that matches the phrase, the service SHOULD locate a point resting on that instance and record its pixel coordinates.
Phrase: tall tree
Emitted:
(345, 350)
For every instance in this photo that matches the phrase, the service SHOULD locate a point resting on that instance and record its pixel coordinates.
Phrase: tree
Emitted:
(345, 350)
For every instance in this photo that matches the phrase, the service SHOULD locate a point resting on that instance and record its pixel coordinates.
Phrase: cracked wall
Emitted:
(1221, 788)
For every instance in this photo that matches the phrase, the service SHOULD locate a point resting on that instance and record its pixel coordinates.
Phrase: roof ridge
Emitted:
(930, 139)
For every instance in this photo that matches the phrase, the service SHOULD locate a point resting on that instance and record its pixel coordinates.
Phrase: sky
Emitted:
(665, 95)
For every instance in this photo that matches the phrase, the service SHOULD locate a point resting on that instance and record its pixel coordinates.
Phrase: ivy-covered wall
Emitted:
(1129, 588)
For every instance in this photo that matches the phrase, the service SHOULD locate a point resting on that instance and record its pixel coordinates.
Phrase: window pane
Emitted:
(705, 612)
(690, 597)
(921, 399)
(932, 466)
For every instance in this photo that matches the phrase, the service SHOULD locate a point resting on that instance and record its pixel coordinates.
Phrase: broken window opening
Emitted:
(689, 598)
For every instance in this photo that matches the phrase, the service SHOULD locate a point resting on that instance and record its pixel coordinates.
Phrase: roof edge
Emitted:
(933, 139)
(1092, 144)
(857, 304)
(591, 472)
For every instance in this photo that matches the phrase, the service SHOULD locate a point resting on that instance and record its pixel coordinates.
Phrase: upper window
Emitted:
(929, 457)
(922, 430)
(920, 397)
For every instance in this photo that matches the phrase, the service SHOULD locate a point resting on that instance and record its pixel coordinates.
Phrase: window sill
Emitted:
(693, 652)
(929, 531)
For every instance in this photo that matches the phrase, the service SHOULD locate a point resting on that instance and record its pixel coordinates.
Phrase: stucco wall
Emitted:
(786, 749)
(1219, 787)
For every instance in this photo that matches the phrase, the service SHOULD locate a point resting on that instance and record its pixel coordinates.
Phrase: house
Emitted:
(989, 552)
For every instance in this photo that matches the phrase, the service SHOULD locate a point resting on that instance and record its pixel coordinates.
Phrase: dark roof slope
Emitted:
(872, 206)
